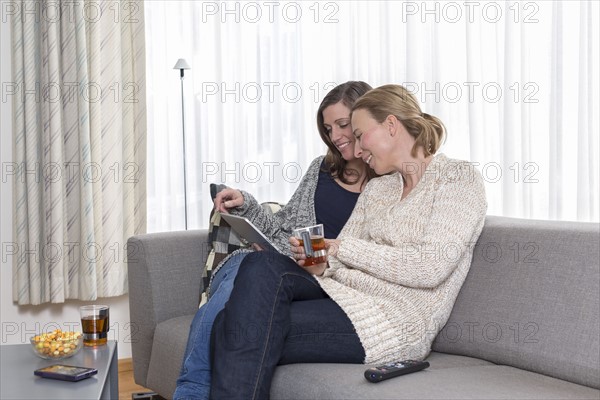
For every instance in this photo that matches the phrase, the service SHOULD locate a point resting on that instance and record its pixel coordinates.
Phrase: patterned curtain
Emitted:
(79, 126)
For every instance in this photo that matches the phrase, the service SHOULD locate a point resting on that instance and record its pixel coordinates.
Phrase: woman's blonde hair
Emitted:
(428, 131)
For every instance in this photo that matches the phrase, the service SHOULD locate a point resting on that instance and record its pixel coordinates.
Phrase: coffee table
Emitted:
(17, 363)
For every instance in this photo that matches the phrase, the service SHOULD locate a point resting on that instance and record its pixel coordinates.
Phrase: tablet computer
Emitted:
(249, 232)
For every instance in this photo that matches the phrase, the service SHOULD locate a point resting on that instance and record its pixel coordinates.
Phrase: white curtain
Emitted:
(516, 84)
(79, 127)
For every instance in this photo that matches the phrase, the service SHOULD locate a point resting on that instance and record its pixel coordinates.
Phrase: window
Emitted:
(516, 84)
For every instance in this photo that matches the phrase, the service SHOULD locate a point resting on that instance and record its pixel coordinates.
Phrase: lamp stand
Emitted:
(182, 65)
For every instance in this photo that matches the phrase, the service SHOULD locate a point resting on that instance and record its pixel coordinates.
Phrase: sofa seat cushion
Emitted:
(448, 377)
(168, 346)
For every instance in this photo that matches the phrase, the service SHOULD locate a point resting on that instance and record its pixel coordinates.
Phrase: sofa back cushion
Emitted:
(531, 299)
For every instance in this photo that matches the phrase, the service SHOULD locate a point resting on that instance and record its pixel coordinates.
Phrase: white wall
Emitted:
(20, 322)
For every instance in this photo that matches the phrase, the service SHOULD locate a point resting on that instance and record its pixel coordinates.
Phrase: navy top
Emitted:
(333, 204)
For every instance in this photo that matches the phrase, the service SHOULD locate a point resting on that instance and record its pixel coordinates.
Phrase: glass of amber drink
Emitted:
(94, 324)
(312, 238)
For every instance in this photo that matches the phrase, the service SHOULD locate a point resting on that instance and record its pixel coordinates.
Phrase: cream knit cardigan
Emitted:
(401, 263)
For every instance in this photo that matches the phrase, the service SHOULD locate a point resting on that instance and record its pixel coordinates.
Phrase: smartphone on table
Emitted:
(65, 372)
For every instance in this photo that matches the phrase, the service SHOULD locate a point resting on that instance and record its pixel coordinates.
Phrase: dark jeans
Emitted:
(277, 314)
(194, 379)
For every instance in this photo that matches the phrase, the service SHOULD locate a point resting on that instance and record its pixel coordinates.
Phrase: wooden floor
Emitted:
(127, 385)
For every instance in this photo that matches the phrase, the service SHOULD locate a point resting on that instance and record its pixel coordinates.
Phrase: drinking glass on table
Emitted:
(94, 324)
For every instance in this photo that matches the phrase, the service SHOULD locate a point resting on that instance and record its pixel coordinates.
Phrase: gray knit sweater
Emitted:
(297, 213)
(401, 263)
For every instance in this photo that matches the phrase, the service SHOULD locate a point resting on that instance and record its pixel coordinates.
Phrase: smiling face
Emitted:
(374, 142)
(336, 120)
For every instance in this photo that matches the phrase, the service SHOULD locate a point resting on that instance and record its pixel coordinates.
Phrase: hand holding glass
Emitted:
(313, 241)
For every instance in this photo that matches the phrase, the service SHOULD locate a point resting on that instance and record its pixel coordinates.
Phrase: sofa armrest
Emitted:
(165, 279)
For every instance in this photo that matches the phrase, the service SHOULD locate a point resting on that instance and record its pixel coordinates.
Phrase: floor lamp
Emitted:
(182, 65)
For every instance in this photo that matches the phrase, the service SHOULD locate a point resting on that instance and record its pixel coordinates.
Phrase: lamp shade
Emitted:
(181, 64)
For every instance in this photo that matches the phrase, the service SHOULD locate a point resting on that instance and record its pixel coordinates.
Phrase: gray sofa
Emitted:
(525, 324)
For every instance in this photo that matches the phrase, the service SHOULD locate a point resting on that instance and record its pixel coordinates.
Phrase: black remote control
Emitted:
(387, 371)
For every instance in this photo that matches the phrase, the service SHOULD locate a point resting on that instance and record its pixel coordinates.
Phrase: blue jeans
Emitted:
(277, 314)
(194, 379)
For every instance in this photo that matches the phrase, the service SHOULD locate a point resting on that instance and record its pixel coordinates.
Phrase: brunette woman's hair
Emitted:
(346, 93)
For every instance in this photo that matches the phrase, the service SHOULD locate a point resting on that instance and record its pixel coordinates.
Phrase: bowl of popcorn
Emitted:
(57, 344)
